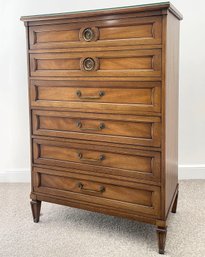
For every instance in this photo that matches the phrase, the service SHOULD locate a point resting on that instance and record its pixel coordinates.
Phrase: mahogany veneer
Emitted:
(103, 89)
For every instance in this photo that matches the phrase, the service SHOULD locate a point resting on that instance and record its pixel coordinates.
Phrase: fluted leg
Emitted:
(174, 207)
(36, 208)
(161, 233)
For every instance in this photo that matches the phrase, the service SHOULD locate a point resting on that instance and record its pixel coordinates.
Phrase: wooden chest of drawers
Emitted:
(103, 89)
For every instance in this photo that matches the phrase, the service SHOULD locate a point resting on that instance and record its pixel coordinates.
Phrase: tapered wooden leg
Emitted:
(174, 207)
(161, 233)
(36, 208)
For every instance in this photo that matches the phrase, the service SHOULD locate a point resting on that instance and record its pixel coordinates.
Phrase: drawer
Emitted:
(101, 96)
(116, 32)
(97, 64)
(135, 130)
(131, 197)
(131, 163)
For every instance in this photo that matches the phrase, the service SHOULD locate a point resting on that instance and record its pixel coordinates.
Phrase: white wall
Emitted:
(14, 133)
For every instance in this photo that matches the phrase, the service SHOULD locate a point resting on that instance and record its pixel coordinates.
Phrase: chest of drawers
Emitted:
(103, 89)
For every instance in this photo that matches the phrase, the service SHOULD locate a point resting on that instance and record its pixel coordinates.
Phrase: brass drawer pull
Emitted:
(82, 188)
(80, 126)
(89, 34)
(99, 160)
(80, 95)
(89, 64)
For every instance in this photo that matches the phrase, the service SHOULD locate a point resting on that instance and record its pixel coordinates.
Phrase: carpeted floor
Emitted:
(68, 232)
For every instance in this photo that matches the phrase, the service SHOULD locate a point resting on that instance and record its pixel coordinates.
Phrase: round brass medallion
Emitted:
(88, 34)
(89, 64)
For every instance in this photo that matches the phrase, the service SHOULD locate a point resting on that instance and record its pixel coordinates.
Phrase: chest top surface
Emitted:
(163, 7)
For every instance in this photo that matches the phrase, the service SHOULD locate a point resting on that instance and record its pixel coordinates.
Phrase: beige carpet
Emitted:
(69, 232)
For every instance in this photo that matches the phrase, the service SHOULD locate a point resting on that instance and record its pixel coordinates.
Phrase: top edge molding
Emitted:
(100, 12)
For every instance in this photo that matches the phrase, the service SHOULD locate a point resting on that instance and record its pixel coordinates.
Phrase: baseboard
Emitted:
(23, 176)
(192, 171)
(15, 176)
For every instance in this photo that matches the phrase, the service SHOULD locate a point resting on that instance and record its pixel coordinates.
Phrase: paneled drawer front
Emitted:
(135, 130)
(124, 97)
(99, 33)
(96, 158)
(136, 198)
(97, 64)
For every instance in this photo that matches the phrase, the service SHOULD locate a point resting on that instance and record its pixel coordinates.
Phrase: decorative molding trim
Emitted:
(192, 171)
(23, 175)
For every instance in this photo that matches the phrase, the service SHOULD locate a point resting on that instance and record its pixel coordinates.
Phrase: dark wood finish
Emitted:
(103, 89)
(174, 207)
(122, 97)
(142, 10)
(94, 207)
(107, 63)
(130, 31)
(161, 234)
(136, 130)
(171, 108)
(36, 208)
(133, 197)
(117, 161)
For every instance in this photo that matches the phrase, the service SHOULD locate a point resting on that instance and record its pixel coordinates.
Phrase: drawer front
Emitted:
(97, 64)
(99, 33)
(92, 96)
(128, 163)
(132, 198)
(135, 130)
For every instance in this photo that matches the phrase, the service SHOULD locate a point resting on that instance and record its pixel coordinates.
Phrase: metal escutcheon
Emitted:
(88, 34)
(89, 64)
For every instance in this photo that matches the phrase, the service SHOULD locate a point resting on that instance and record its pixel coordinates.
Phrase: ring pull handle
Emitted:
(89, 64)
(100, 127)
(89, 34)
(87, 190)
(81, 96)
(99, 160)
